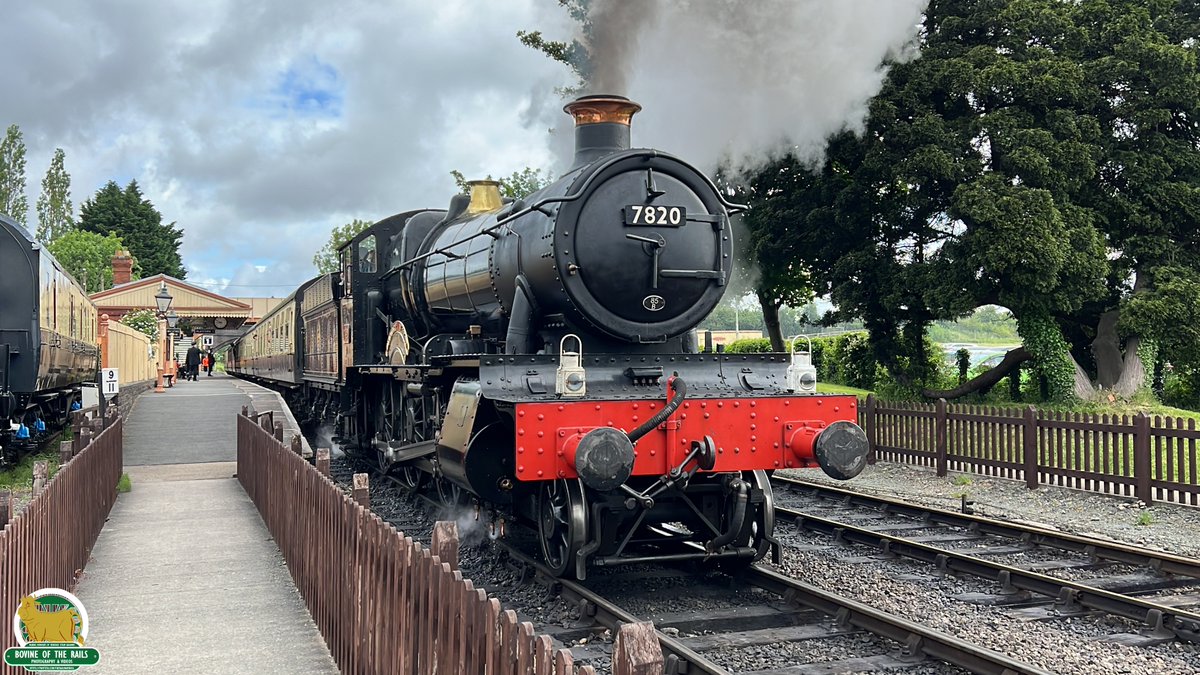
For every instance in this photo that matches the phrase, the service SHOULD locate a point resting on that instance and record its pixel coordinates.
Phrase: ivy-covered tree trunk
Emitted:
(1065, 379)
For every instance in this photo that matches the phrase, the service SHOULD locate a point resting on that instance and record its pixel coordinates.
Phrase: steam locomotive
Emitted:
(48, 342)
(539, 357)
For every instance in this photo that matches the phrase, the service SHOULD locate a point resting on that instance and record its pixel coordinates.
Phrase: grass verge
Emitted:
(827, 388)
(20, 477)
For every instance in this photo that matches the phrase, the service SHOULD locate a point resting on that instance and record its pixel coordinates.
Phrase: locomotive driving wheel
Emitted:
(562, 524)
(448, 492)
(386, 423)
(409, 477)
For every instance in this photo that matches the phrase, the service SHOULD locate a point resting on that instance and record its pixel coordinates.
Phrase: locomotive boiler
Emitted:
(539, 356)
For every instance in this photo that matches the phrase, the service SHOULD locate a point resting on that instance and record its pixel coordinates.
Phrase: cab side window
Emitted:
(366, 255)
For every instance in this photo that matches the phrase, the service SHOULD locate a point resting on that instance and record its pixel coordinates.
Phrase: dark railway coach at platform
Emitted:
(48, 344)
(539, 358)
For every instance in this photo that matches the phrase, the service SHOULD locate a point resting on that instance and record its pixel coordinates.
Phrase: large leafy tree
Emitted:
(1040, 155)
(325, 259)
(129, 215)
(56, 215)
(13, 201)
(87, 256)
(1086, 116)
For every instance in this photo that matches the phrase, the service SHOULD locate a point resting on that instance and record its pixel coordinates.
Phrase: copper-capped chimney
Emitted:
(601, 126)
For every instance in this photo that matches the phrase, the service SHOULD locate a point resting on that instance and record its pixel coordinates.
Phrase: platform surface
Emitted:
(185, 578)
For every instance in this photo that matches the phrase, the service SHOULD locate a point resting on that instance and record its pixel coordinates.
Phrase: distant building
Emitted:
(725, 337)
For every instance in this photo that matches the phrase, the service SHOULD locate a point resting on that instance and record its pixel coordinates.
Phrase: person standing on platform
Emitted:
(212, 362)
(192, 363)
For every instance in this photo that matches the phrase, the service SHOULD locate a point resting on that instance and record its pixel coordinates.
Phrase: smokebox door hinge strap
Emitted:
(652, 191)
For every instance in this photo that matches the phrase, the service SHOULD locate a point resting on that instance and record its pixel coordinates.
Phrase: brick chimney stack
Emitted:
(122, 266)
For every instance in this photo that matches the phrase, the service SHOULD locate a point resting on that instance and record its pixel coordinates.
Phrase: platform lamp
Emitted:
(172, 321)
(162, 301)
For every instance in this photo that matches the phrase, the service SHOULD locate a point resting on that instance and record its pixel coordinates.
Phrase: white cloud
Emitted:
(258, 127)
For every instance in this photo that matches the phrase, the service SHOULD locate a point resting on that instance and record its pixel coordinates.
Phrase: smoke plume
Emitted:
(741, 82)
(324, 439)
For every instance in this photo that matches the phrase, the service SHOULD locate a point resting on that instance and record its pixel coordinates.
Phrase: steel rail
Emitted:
(914, 637)
(1177, 623)
(679, 658)
(1161, 561)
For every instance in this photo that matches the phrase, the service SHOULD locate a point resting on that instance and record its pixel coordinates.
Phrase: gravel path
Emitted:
(1169, 527)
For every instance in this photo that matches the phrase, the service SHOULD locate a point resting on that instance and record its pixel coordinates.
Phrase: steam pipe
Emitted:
(740, 500)
(680, 389)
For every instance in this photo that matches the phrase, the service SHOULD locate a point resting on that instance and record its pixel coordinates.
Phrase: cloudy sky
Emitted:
(259, 126)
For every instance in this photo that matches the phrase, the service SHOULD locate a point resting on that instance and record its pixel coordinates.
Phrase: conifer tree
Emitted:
(13, 201)
(56, 215)
(133, 218)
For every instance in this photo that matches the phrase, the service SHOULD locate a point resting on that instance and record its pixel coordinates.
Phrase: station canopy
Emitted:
(204, 310)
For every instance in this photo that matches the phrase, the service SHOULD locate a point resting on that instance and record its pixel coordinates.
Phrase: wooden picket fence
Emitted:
(1149, 458)
(383, 602)
(47, 544)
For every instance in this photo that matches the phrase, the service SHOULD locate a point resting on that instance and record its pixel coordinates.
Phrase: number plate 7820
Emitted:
(655, 216)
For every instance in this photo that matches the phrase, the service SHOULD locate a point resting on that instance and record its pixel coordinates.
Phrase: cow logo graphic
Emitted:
(654, 302)
(51, 626)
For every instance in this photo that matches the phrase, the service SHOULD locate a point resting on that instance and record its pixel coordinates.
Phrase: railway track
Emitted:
(793, 611)
(971, 545)
(783, 611)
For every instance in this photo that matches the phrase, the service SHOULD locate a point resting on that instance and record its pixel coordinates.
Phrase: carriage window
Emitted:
(366, 255)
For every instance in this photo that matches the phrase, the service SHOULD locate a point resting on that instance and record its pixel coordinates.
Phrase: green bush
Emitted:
(1181, 388)
(749, 346)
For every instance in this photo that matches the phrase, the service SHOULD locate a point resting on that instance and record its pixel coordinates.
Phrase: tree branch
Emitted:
(985, 380)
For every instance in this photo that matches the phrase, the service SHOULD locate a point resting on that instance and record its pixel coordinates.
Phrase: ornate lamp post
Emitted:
(162, 301)
(172, 321)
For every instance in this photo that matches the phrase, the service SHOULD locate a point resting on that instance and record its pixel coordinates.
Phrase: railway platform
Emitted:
(185, 578)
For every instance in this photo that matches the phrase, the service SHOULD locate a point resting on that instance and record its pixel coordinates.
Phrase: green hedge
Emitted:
(840, 359)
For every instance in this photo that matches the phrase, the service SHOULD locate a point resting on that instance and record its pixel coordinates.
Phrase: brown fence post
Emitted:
(85, 439)
(40, 469)
(296, 444)
(279, 431)
(6, 508)
(869, 427)
(445, 542)
(76, 430)
(65, 452)
(1141, 457)
(323, 461)
(1029, 446)
(362, 490)
(636, 650)
(941, 421)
